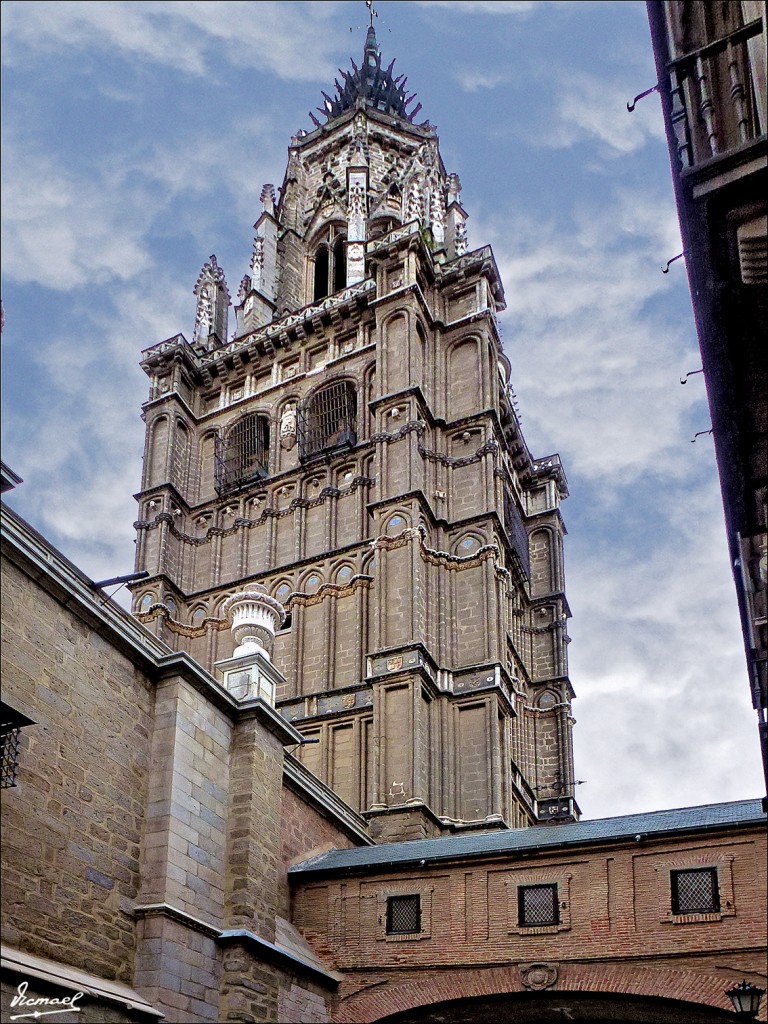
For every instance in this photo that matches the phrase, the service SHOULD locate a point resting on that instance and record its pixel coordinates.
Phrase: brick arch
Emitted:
(383, 1000)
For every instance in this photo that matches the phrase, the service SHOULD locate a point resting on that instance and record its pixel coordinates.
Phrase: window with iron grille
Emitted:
(242, 456)
(11, 724)
(695, 891)
(537, 906)
(328, 419)
(403, 915)
(517, 533)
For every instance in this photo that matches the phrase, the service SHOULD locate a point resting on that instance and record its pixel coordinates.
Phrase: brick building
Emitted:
(348, 631)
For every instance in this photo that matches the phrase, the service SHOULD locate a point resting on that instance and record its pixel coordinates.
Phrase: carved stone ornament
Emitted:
(257, 257)
(288, 427)
(461, 238)
(537, 977)
(255, 617)
(356, 202)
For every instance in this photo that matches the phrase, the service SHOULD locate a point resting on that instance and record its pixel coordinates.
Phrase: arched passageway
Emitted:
(552, 1007)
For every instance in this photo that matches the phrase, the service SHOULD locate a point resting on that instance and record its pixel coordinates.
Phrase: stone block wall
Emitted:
(149, 825)
(74, 827)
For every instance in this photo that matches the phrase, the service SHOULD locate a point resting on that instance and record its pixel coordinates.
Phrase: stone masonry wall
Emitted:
(73, 825)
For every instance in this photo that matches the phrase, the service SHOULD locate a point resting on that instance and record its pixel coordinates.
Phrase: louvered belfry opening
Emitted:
(695, 891)
(242, 456)
(537, 906)
(328, 419)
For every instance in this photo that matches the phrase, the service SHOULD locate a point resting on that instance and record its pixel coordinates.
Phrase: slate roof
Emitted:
(526, 840)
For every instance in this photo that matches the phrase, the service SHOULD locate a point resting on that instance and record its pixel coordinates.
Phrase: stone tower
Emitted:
(353, 449)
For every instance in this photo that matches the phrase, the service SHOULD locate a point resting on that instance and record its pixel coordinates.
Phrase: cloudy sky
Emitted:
(137, 137)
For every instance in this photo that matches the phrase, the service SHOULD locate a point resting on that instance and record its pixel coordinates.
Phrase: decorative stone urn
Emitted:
(255, 618)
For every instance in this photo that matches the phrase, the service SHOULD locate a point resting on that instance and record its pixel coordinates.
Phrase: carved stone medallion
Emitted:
(538, 976)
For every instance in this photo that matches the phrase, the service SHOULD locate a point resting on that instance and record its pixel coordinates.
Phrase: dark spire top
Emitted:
(371, 83)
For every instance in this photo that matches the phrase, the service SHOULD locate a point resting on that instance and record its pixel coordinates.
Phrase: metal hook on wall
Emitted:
(701, 434)
(665, 270)
(684, 380)
(631, 106)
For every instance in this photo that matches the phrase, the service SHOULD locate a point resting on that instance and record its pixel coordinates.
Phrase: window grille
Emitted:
(537, 906)
(403, 915)
(518, 534)
(243, 455)
(328, 420)
(695, 891)
(11, 724)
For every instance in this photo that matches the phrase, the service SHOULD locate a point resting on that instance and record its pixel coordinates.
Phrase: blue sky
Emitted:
(137, 137)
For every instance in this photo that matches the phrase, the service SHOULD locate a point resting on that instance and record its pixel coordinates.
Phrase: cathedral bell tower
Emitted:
(352, 451)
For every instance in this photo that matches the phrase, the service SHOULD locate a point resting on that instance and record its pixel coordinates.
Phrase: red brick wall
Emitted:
(303, 829)
(616, 931)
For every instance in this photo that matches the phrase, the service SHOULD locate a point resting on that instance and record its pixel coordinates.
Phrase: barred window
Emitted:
(11, 724)
(537, 906)
(695, 891)
(242, 456)
(518, 535)
(328, 419)
(403, 915)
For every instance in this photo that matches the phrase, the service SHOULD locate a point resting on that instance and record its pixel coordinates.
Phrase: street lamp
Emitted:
(745, 998)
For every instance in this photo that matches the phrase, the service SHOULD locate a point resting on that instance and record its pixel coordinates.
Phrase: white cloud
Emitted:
(63, 228)
(82, 463)
(484, 6)
(593, 108)
(282, 39)
(473, 80)
(658, 667)
(590, 356)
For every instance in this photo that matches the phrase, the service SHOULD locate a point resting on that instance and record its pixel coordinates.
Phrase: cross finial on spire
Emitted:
(373, 13)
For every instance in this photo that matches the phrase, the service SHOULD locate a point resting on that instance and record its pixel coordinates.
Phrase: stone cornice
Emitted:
(310, 788)
(269, 951)
(273, 334)
(180, 916)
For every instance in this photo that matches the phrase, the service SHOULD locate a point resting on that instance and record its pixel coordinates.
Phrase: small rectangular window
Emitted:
(403, 915)
(537, 906)
(695, 891)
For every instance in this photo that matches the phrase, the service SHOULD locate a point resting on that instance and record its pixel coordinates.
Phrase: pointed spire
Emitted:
(374, 85)
(213, 301)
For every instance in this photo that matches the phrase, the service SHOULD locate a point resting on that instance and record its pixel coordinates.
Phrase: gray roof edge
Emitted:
(701, 817)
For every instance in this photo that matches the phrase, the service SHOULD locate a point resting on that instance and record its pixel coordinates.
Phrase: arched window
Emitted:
(330, 265)
(242, 456)
(328, 419)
